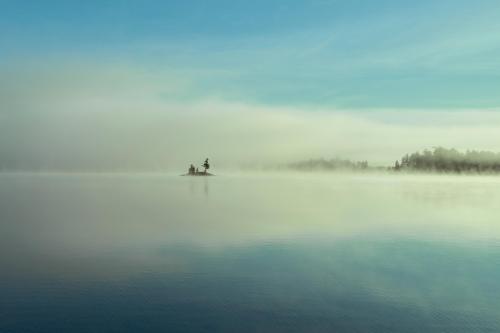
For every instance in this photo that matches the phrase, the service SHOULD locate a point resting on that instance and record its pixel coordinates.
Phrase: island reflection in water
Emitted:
(249, 253)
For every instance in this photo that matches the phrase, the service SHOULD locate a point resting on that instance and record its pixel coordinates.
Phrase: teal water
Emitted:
(249, 253)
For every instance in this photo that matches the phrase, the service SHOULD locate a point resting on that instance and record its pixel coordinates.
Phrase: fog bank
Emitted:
(119, 118)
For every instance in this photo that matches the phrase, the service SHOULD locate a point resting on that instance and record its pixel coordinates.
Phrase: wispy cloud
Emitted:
(117, 118)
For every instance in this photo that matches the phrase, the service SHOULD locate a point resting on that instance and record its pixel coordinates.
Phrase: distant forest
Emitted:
(436, 160)
(332, 164)
(450, 160)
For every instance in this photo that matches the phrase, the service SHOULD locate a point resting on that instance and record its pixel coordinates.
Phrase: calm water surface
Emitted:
(249, 253)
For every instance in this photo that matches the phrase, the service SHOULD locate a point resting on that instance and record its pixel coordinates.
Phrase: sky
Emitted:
(158, 84)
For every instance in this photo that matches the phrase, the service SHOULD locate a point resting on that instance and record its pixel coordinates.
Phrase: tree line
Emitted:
(450, 160)
(332, 164)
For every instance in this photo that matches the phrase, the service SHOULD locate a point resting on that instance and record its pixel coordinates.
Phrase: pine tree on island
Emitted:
(206, 165)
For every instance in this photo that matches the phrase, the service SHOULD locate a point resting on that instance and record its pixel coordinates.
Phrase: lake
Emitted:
(249, 253)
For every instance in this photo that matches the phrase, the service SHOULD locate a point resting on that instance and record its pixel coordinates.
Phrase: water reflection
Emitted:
(205, 187)
(195, 185)
(287, 253)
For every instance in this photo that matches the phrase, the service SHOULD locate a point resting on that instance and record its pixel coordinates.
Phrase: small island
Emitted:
(192, 171)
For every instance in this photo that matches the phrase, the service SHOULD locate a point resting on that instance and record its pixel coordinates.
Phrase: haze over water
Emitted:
(99, 99)
(249, 253)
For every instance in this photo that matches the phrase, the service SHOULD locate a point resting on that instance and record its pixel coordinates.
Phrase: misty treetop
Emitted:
(332, 164)
(450, 160)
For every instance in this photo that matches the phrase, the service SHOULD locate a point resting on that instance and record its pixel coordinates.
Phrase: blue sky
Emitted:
(329, 53)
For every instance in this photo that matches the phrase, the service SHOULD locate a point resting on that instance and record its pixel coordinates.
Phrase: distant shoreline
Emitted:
(437, 161)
